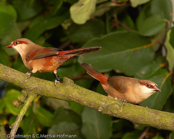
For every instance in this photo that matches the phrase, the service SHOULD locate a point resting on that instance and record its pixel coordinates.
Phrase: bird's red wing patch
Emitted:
(43, 53)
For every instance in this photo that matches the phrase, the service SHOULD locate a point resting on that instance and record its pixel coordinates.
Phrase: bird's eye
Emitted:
(16, 42)
(148, 85)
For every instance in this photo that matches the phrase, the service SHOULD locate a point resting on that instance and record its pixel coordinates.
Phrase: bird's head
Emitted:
(147, 87)
(20, 45)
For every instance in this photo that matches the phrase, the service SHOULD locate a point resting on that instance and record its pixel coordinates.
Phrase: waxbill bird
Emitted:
(42, 59)
(127, 89)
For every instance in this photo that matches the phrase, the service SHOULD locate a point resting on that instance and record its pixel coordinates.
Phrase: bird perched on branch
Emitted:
(43, 59)
(127, 89)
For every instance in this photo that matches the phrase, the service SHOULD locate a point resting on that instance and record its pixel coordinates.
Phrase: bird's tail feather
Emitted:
(94, 73)
(81, 51)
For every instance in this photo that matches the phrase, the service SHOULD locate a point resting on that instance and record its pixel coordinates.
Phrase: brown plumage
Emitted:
(42, 59)
(128, 89)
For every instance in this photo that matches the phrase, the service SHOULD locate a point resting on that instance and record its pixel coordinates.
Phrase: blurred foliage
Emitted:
(136, 38)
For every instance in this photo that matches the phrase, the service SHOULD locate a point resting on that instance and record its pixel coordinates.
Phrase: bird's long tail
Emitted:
(81, 51)
(94, 73)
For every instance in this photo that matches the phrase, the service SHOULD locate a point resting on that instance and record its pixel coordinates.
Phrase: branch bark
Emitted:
(71, 92)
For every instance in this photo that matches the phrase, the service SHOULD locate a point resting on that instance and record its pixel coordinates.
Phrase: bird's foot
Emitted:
(57, 78)
(123, 101)
(28, 75)
(56, 81)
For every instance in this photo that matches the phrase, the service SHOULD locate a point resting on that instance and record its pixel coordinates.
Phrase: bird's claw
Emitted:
(122, 100)
(28, 75)
(56, 81)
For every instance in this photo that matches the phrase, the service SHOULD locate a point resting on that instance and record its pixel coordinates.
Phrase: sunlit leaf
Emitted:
(82, 10)
(135, 3)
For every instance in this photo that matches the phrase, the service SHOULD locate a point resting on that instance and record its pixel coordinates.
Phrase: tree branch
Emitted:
(15, 125)
(71, 92)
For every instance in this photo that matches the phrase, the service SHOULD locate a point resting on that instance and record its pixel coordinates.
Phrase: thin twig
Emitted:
(117, 22)
(144, 134)
(15, 126)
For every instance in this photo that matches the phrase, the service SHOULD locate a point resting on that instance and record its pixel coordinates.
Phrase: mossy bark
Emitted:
(71, 92)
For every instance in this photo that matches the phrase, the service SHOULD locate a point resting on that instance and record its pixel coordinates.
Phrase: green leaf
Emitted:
(103, 8)
(2, 105)
(27, 9)
(57, 6)
(148, 70)
(152, 25)
(8, 9)
(170, 49)
(5, 58)
(67, 116)
(143, 15)
(162, 8)
(43, 24)
(3, 120)
(158, 137)
(31, 123)
(132, 135)
(56, 103)
(97, 124)
(9, 97)
(13, 35)
(70, 129)
(87, 31)
(82, 10)
(12, 119)
(78, 108)
(6, 25)
(125, 19)
(70, 71)
(125, 52)
(171, 136)
(135, 3)
(44, 116)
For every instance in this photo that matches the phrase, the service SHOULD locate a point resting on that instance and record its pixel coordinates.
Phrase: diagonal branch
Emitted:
(71, 92)
(15, 125)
